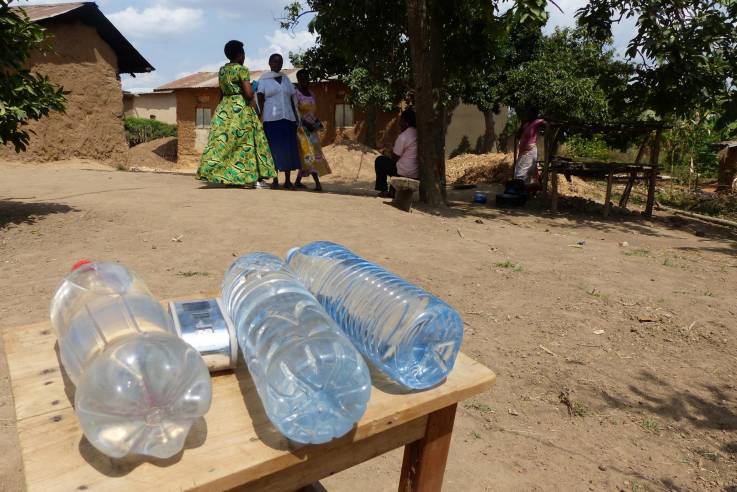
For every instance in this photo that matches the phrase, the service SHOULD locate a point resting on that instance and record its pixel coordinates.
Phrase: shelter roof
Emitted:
(129, 59)
(209, 80)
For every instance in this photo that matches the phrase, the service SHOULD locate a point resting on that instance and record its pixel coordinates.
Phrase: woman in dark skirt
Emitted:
(276, 98)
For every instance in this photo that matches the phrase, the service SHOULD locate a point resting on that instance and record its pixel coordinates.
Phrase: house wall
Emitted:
(163, 106)
(189, 144)
(466, 130)
(92, 127)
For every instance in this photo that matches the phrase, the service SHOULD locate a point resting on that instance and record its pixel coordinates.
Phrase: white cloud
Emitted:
(238, 10)
(280, 42)
(285, 42)
(156, 22)
(142, 82)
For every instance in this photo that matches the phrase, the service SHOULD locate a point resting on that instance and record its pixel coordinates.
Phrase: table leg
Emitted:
(424, 460)
(554, 197)
(608, 198)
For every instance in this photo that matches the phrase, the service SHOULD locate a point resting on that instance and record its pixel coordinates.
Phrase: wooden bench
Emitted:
(405, 190)
(234, 445)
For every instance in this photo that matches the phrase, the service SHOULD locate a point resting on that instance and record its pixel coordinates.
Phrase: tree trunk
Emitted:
(489, 132)
(369, 137)
(424, 40)
(727, 169)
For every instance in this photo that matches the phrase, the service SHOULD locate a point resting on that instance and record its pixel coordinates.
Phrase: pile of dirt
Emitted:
(479, 169)
(351, 160)
(159, 154)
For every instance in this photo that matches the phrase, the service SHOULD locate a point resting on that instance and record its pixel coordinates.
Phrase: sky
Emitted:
(180, 37)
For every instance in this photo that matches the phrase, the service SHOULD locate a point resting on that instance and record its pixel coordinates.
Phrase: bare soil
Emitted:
(156, 155)
(613, 340)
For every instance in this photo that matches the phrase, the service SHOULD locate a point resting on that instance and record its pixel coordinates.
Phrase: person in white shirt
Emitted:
(276, 99)
(403, 161)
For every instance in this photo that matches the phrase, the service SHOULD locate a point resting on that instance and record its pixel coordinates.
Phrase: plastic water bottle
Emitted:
(139, 387)
(408, 333)
(313, 383)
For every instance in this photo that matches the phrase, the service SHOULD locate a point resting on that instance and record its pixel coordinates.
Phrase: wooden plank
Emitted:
(424, 460)
(234, 444)
(608, 196)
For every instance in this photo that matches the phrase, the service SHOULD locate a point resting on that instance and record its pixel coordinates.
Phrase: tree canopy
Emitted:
(570, 76)
(24, 95)
(684, 52)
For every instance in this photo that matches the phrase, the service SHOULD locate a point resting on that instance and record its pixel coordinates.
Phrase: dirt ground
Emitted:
(616, 363)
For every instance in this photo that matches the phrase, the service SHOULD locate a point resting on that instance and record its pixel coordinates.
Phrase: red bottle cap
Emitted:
(80, 263)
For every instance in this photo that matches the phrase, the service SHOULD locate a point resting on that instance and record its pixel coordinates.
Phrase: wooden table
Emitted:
(608, 170)
(234, 445)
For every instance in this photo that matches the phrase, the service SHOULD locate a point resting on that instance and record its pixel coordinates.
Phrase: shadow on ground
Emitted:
(13, 211)
(706, 407)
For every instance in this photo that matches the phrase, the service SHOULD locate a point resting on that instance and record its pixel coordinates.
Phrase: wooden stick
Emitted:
(627, 190)
(424, 460)
(641, 152)
(654, 158)
(704, 218)
(550, 151)
(608, 198)
(554, 197)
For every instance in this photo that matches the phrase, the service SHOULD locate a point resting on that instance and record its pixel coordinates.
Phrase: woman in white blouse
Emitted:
(276, 98)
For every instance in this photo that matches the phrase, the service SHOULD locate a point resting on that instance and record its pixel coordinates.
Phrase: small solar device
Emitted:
(205, 326)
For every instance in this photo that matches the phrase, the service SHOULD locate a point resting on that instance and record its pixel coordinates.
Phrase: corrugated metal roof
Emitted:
(129, 59)
(209, 80)
(40, 12)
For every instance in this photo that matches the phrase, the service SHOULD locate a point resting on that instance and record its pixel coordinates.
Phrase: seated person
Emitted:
(403, 161)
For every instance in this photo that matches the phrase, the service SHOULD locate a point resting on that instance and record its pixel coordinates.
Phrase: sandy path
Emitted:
(657, 389)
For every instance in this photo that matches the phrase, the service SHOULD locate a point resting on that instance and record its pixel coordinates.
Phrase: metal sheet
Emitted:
(204, 324)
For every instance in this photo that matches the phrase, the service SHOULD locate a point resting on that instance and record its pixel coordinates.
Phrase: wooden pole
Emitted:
(608, 198)
(551, 148)
(654, 158)
(633, 175)
(424, 460)
(554, 197)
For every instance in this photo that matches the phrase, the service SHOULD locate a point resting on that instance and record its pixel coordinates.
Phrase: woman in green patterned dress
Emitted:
(237, 151)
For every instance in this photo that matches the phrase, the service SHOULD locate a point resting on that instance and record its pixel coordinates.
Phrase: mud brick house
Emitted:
(87, 58)
(198, 95)
(159, 106)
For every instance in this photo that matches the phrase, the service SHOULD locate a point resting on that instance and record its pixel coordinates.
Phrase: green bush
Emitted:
(140, 130)
(587, 148)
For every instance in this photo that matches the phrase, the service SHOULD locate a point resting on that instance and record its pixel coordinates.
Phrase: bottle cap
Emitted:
(80, 264)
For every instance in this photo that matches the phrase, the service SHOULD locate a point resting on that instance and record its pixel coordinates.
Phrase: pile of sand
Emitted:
(159, 154)
(351, 160)
(580, 188)
(479, 169)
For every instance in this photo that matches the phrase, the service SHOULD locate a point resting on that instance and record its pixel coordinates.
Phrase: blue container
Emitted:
(480, 197)
(313, 383)
(408, 333)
